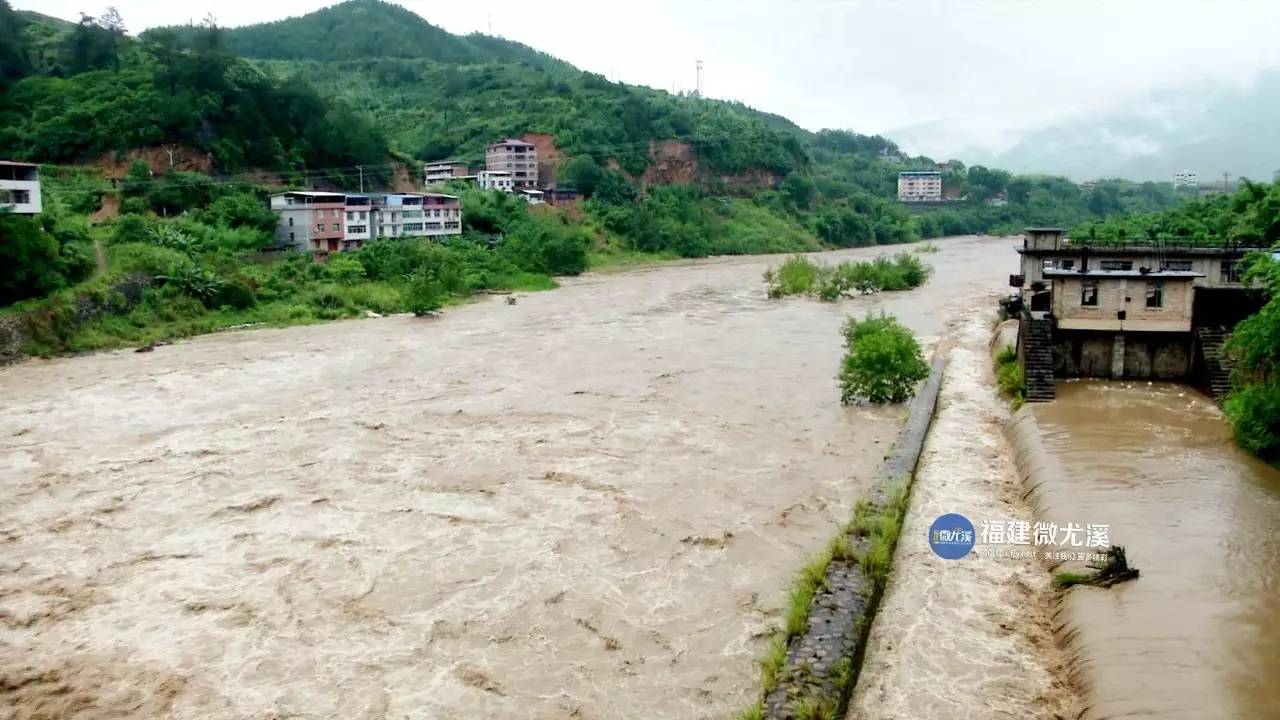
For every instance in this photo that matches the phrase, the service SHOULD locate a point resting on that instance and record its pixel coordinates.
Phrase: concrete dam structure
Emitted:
(1117, 309)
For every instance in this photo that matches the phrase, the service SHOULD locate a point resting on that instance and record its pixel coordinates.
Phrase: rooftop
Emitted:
(11, 163)
(920, 172)
(511, 141)
(310, 193)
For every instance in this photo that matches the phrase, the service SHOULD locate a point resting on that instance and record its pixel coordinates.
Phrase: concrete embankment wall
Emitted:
(822, 663)
(1044, 478)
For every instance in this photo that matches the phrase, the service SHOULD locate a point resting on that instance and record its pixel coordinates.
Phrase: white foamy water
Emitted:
(968, 638)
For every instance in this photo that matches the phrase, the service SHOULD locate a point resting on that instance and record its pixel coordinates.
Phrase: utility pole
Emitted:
(1226, 182)
(699, 84)
(361, 169)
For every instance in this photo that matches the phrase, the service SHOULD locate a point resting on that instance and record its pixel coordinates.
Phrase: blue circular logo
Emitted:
(951, 536)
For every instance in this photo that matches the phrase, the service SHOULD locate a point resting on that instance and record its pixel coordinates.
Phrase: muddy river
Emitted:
(588, 504)
(1198, 634)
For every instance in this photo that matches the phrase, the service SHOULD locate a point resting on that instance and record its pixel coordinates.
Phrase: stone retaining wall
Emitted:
(822, 664)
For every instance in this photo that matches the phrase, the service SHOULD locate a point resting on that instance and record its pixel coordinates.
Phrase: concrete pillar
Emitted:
(1117, 356)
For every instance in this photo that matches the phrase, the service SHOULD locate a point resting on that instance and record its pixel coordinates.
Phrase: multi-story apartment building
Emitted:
(325, 222)
(359, 222)
(495, 180)
(516, 157)
(416, 215)
(443, 171)
(310, 220)
(1186, 178)
(19, 188)
(920, 186)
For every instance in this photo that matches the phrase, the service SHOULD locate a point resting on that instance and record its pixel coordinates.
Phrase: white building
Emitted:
(416, 215)
(358, 229)
(444, 171)
(1186, 178)
(920, 186)
(533, 197)
(495, 180)
(20, 188)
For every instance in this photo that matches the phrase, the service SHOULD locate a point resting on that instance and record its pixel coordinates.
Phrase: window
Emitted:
(351, 216)
(337, 227)
(1155, 294)
(1067, 264)
(1089, 294)
(290, 222)
(1117, 264)
(1177, 265)
(1230, 271)
(290, 237)
(319, 227)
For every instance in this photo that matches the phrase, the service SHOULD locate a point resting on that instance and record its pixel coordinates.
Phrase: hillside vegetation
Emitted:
(353, 90)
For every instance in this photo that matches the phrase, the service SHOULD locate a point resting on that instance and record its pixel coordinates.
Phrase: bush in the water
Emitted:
(800, 275)
(883, 361)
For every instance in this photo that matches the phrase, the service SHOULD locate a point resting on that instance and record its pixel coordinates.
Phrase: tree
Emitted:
(883, 362)
(15, 60)
(582, 173)
(31, 261)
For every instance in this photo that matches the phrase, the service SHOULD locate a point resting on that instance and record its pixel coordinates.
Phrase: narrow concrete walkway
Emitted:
(967, 638)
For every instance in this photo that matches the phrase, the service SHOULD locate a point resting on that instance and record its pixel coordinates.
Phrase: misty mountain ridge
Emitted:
(1208, 129)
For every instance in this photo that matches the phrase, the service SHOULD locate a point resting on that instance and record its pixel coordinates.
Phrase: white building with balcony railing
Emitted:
(416, 215)
(495, 180)
(19, 188)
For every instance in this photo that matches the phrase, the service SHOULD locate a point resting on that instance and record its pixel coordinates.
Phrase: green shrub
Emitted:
(235, 295)
(426, 293)
(344, 269)
(882, 364)
(1254, 412)
(796, 275)
(142, 257)
(801, 276)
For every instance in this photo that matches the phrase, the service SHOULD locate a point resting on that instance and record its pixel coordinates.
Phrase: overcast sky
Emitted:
(983, 70)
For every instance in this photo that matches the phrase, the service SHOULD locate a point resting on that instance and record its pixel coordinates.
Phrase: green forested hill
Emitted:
(360, 29)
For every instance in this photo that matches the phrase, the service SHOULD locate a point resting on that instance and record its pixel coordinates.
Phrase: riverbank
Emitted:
(140, 308)
(969, 638)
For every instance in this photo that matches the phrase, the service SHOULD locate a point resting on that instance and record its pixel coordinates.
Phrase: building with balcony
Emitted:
(444, 171)
(920, 186)
(495, 180)
(19, 188)
(358, 227)
(310, 221)
(400, 215)
(1127, 310)
(1187, 179)
(517, 157)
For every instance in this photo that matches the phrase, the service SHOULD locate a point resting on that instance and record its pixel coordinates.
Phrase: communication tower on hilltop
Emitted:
(698, 89)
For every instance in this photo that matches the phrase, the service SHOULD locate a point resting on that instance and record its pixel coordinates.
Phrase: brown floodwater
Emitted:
(589, 504)
(1198, 634)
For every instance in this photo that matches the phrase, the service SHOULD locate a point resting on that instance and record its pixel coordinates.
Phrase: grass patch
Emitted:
(1009, 380)
(811, 708)
(929, 247)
